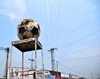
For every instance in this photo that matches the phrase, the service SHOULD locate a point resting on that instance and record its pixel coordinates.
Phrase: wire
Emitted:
(98, 30)
(57, 17)
(59, 8)
(66, 67)
(84, 58)
(81, 25)
(83, 37)
(60, 54)
(45, 15)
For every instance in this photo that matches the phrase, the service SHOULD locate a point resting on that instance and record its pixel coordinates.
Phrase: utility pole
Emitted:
(57, 70)
(7, 50)
(91, 76)
(98, 76)
(32, 60)
(52, 57)
(57, 66)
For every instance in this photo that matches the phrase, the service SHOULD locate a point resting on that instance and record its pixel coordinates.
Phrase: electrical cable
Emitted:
(46, 22)
(84, 58)
(85, 24)
(58, 16)
(85, 36)
(60, 54)
(70, 68)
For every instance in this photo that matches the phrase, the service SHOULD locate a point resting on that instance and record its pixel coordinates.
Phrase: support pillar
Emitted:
(22, 65)
(10, 61)
(36, 57)
(43, 64)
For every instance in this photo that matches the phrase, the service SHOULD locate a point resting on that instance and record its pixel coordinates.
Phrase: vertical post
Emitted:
(57, 71)
(43, 64)
(7, 62)
(10, 60)
(57, 66)
(70, 76)
(22, 65)
(28, 74)
(33, 74)
(98, 77)
(91, 76)
(36, 57)
(32, 61)
(52, 58)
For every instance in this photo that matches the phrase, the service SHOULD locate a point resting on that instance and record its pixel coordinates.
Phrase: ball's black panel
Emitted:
(27, 21)
(24, 37)
(34, 31)
(21, 30)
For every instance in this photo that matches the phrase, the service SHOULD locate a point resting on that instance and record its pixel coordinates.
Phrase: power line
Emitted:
(59, 4)
(98, 30)
(60, 54)
(59, 8)
(58, 16)
(81, 25)
(70, 68)
(47, 11)
(45, 15)
(85, 58)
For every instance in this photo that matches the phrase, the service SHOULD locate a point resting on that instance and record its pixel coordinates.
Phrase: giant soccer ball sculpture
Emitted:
(28, 28)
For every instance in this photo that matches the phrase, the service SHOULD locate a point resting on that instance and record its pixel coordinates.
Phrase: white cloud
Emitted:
(14, 9)
(12, 16)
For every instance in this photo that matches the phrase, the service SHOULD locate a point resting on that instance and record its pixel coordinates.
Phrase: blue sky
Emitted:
(72, 26)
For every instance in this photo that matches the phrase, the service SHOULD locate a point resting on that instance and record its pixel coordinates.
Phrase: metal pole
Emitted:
(43, 64)
(7, 63)
(22, 64)
(57, 71)
(36, 57)
(10, 60)
(52, 58)
(57, 66)
(91, 75)
(32, 61)
(28, 74)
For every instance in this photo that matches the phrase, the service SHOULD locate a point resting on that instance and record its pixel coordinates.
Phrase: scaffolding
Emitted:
(31, 44)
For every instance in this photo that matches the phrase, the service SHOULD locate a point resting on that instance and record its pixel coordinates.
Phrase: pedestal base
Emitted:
(27, 45)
